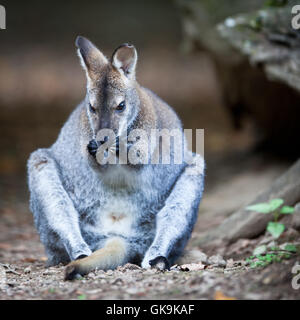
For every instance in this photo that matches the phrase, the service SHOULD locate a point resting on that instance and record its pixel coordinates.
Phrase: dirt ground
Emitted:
(23, 274)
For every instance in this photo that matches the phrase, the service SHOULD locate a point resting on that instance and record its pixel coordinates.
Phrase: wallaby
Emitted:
(93, 215)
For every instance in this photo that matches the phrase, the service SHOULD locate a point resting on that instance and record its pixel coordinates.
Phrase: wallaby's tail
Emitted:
(110, 256)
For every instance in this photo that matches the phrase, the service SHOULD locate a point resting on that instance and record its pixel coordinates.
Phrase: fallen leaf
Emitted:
(219, 295)
(31, 260)
(43, 258)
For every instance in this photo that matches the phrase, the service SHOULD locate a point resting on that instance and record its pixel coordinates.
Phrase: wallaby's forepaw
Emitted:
(160, 263)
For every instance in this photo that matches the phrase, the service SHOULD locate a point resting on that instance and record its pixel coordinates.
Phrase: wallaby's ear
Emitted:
(124, 59)
(92, 59)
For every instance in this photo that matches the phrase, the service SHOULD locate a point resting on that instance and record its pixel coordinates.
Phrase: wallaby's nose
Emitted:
(92, 147)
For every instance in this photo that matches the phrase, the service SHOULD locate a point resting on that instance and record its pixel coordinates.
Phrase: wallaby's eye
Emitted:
(121, 107)
(92, 109)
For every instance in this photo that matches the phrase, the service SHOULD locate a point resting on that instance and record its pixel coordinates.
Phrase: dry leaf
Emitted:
(31, 260)
(43, 258)
(219, 295)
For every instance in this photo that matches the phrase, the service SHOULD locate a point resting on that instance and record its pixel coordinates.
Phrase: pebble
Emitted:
(27, 270)
(217, 260)
(230, 263)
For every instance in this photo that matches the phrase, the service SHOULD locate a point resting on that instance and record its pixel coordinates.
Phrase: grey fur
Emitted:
(68, 193)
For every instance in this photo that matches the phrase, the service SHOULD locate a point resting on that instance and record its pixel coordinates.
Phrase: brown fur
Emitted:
(108, 257)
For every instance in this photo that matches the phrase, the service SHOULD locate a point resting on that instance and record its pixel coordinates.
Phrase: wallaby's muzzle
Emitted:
(92, 147)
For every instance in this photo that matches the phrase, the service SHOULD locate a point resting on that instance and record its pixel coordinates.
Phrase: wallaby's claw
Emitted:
(161, 263)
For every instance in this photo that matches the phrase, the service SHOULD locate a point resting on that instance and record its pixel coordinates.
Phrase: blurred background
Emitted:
(41, 82)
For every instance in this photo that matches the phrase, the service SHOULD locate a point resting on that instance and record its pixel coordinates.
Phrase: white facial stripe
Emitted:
(92, 98)
(91, 123)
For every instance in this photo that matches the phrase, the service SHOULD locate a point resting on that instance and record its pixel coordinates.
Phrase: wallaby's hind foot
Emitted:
(110, 256)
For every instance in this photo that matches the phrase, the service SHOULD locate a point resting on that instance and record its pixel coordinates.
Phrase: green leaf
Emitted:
(275, 228)
(260, 207)
(276, 203)
(287, 210)
(260, 250)
(275, 248)
(266, 207)
(290, 247)
(81, 297)
(269, 258)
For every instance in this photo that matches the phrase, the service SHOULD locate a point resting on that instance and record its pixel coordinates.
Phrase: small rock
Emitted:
(132, 290)
(230, 263)
(267, 280)
(109, 272)
(217, 260)
(128, 266)
(49, 272)
(197, 256)
(117, 281)
(27, 270)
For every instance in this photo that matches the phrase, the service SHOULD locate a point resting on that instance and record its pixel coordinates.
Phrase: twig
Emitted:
(9, 269)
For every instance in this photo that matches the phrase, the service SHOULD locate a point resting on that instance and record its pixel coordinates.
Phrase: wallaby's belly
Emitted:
(107, 211)
(120, 215)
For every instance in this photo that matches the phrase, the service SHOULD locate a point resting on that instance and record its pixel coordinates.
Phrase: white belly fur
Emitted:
(117, 216)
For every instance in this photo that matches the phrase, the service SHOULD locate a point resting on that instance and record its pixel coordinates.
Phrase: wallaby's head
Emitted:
(112, 99)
